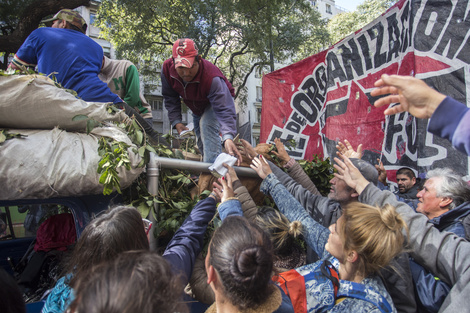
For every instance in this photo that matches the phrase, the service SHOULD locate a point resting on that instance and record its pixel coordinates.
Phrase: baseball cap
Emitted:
(71, 16)
(367, 170)
(184, 52)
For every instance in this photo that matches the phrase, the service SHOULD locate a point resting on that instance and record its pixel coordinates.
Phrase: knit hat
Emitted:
(184, 52)
(71, 16)
(367, 170)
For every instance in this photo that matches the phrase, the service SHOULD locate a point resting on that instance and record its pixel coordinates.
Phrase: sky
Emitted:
(349, 5)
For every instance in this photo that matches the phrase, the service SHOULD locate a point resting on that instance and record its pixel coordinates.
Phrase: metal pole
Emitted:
(196, 166)
(153, 173)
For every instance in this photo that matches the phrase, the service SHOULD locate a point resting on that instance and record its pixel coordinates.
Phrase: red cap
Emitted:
(184, 52)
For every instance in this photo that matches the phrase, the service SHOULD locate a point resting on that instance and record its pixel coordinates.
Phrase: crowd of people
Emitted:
(367, 249)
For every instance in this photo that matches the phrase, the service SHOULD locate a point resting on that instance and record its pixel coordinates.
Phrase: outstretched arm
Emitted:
(187, 242)
(315, 234)
(443, 253)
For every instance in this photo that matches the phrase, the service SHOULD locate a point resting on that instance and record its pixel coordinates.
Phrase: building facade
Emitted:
(249, 114)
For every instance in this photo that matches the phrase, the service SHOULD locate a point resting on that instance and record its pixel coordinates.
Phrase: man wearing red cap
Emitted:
(209, 95)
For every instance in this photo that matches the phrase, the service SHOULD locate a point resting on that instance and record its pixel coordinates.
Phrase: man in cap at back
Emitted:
(75, 59)
(204, 90)
(66, 51)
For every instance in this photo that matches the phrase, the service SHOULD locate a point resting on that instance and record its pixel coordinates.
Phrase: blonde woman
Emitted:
(362, 241)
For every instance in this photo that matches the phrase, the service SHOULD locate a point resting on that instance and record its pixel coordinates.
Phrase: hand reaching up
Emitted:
(382, 172)
(261, 166)
(281, 151)
(412, 94)
(224, 189)
(350, 174)
(247, 149)
(347, 150)
(231, 172)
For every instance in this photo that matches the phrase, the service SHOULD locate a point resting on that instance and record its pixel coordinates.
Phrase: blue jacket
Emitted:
(430, 290)
(451, 121)
(74, 57)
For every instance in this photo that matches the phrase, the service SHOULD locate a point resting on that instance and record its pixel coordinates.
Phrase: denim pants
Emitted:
(207, 129)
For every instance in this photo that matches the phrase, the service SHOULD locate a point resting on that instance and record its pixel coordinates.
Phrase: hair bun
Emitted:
(391, 218)
(251, 264)
(295, 229)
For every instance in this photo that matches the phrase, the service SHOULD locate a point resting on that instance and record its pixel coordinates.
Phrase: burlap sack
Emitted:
(57, 163)
(35, 102)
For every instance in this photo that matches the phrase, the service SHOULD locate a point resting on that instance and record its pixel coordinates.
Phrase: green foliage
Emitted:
(320, 172)
(235, 35)
(113, 155)
(344, 24)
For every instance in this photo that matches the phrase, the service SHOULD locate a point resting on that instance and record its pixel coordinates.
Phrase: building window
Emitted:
(328, 9)
(92, 17)
(157, 105)
(259, 93)
(258, 115)
(313, 2)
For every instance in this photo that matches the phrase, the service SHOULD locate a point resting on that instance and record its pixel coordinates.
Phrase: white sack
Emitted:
(34, 102)
(57, 163)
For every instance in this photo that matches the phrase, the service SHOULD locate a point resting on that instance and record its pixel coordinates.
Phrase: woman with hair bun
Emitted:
(288, 254)
(239, 262)
(363, 240)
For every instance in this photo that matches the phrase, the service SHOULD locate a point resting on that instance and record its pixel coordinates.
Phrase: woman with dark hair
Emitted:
(239, 262)
(288, 253)
(362, 241)
(121, 229)
(136, 281)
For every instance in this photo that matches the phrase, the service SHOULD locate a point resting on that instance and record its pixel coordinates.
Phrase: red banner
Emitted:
(326, 97)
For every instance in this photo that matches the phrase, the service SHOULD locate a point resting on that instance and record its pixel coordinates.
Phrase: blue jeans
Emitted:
(207, 129)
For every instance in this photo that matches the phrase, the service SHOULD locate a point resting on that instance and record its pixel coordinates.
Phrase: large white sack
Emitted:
(35, 102)
(57, 163)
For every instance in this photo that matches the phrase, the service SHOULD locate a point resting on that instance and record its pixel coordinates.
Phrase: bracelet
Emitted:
(213, 194)
(231, 198)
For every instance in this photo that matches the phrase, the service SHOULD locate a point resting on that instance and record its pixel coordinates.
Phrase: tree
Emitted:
(18, 18)
(344, 24)
(238, 36)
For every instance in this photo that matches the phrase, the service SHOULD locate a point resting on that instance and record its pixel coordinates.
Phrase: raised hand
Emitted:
(281, 151)
(231, 172)
(350, 174)
(347, 150)
(247, 149)
(261, 166)
(382, 172)
(224, 189)
(412, 94)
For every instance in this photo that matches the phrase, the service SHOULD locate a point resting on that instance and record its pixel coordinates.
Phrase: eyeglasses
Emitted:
(147, 225)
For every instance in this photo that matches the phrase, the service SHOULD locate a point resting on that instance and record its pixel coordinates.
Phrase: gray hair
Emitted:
(450, 185)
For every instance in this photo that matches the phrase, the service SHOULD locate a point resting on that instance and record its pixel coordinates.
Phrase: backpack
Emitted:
(303, 284)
